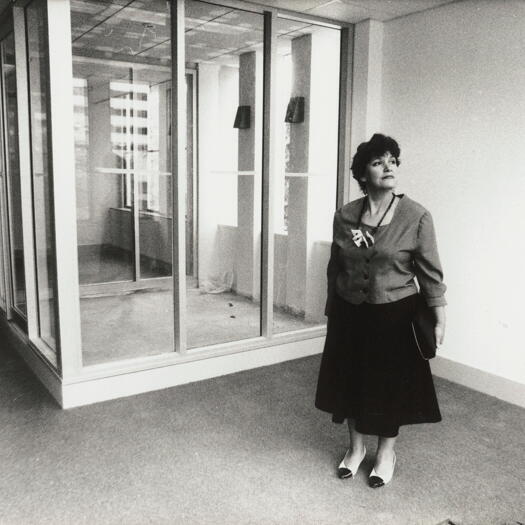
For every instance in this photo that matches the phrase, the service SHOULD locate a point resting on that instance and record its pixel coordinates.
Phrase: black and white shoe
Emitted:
(375, 481)
(349, 470)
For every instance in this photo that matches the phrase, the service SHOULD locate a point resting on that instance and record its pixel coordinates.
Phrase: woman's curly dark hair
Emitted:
(377, 146)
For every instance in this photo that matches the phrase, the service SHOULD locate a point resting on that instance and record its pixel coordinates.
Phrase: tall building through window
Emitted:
(133, 143)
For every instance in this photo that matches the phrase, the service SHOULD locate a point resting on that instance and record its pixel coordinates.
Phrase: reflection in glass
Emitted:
(36, 20)
(122, 89)
(305, 188)
(13, 172)
(226, 47)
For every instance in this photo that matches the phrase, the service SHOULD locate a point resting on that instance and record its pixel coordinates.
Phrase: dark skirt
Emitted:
(371, 370)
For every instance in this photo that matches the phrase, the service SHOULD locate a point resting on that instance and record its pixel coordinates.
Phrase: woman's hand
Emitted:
(439, 329)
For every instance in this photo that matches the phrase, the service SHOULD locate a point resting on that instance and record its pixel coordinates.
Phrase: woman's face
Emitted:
(380, 173)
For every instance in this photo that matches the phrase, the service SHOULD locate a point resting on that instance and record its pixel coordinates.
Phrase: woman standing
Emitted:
(371, 372)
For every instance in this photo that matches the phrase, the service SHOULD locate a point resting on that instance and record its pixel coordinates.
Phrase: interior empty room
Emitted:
(169, 175)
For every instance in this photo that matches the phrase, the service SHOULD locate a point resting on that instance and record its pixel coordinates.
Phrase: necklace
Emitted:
(367, 238)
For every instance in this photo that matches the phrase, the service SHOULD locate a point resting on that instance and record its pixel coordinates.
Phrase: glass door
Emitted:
(104, 101)
(122, 90)
(152, 170)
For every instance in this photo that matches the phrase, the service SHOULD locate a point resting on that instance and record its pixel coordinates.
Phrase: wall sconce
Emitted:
(242, 118)
(295, 110)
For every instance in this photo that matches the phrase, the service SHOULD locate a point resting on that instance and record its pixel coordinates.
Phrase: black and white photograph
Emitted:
(261, 262)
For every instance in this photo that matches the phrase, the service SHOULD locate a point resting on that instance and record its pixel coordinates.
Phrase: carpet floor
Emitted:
(247, 448)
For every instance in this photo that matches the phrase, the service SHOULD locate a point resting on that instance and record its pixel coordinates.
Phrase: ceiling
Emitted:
(139, 31)
(351, 11)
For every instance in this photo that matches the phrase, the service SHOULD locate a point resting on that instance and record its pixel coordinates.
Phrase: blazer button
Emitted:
(365, 290)
(365, 276)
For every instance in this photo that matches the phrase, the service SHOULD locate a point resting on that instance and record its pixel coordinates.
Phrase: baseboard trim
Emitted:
(479, 380)
(106, 388)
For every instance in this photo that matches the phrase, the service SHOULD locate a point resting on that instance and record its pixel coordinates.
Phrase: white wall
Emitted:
(453, 95)
(366, 81)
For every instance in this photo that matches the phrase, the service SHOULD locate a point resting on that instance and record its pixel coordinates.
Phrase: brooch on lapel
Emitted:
(359, 238)
(367, 238)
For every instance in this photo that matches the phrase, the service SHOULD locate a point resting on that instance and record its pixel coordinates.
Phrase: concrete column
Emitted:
(312, 159)
(322, 161)
(297, 163)
(247, 256)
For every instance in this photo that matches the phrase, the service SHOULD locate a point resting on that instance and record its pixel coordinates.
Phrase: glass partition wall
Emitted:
(307, 89)
(122, 69)
(225, 46)
(122, 95)
(41, 171)
(3, 238)
(130, 186)
(12, 287)
(11, 166)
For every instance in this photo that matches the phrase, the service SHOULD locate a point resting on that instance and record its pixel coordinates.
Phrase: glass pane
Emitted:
(103, 166)
(3, 210)
(226, 45)
(152, 164)
(36, 20)
(13, 173)
(307, 88)
(122, 89)
(191, 182)
(2, 249)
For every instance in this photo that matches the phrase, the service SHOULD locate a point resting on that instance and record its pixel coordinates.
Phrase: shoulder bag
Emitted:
(423, 329)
